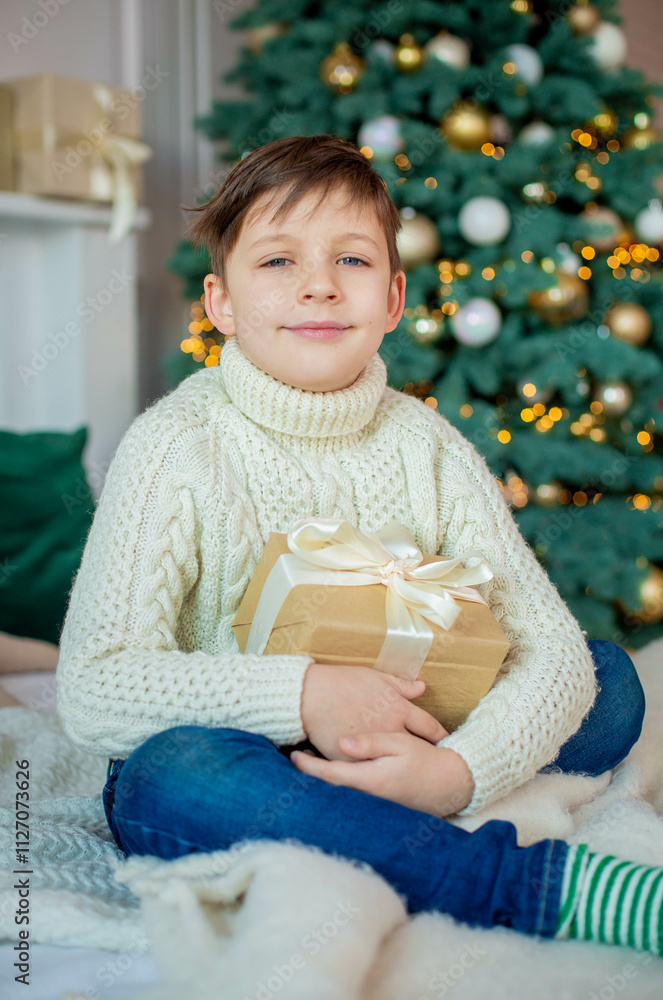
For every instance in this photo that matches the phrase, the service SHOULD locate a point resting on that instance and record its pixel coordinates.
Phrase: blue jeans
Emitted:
(194, 788)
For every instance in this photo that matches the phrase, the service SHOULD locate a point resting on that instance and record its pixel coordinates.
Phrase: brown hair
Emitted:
(300, 164)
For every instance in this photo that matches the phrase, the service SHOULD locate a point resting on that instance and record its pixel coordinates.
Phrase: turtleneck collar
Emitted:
(338, 416)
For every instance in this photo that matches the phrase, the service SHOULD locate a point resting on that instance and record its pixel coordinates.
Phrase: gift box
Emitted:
(78, 139)
(344, 597)
(6, 141)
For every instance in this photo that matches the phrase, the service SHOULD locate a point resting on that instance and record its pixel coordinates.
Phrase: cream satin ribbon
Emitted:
(329, 551)
(112, 158)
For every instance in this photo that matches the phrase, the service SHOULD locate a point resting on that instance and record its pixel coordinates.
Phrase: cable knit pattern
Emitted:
(197, 484)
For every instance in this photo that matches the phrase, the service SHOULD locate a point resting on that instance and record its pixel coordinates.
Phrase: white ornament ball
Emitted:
(527, 61)
(484, 221)
(476, 323)
(569, 260)
(449, 49)
(384, 50)
(536, 134)
(607, 46)
(649, 222)
(383, 135)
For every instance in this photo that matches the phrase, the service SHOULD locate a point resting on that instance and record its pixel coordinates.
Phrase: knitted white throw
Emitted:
(268, 919)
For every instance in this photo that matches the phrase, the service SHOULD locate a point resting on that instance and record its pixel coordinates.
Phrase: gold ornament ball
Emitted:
(342, 70)
(418, 241)
(615, 397)
(256, 37)
(650, 609)
(409, 56)
(565, 300)
(603, 228)
(628, 321)
(605, 122)
(584, 18)
(640, 138)
(466, 126)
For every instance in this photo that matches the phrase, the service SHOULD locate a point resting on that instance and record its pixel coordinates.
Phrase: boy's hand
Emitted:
(342, 701)
(399, 767)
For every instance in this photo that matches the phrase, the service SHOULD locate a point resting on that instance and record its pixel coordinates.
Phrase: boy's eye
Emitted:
(276, 260)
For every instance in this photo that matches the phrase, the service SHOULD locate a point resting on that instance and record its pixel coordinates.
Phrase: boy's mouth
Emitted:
(318, 330)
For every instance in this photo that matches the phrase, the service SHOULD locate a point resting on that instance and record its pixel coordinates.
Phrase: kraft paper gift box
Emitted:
(6, 141)
(347, 624)
(79, 139)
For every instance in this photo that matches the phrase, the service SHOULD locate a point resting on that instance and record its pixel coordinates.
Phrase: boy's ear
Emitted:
(217, 305)
(396, 301)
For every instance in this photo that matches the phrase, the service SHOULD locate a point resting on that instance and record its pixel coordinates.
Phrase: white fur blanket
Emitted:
(269, 919)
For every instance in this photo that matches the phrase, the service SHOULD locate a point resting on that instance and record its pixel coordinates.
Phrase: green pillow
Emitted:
(46, 510)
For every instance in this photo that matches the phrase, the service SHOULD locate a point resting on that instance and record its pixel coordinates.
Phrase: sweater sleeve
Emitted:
(547, 682)
(121, 676)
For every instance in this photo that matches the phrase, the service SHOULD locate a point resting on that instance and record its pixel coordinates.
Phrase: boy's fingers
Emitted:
(406, 687)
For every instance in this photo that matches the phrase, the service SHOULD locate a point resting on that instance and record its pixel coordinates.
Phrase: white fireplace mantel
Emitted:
(68, 323)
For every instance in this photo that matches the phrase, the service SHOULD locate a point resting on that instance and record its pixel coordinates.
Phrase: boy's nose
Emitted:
(319, 282)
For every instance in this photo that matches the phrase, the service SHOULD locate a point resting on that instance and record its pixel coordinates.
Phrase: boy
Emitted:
(297, 421)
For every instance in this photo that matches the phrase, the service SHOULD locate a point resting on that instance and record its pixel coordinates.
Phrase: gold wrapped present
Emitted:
(6, 141)
(79, 139)
(416, 615)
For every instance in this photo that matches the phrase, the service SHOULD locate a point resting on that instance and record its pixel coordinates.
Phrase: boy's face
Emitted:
(328, 266)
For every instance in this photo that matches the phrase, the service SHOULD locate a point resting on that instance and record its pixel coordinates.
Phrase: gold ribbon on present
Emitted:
(329, 551)
(113, 156)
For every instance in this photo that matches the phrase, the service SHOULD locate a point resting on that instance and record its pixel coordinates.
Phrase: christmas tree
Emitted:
(521, 154)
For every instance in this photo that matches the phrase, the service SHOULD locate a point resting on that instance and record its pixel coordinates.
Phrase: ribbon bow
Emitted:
(329, 551)
(120, 153)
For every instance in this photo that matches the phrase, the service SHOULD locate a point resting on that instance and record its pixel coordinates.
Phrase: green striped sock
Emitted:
(606, 899)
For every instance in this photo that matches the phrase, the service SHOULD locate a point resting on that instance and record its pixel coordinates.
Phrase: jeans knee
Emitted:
(621, 689)
(165, 757)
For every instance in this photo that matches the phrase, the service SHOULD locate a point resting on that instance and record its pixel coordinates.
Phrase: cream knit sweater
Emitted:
(196, 485)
